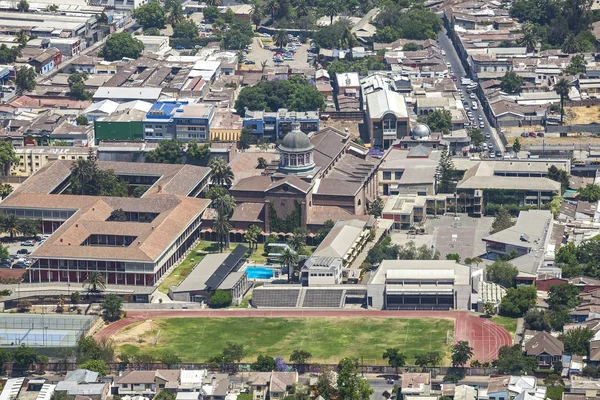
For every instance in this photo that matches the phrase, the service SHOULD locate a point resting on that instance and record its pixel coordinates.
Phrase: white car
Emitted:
(249, 47)
(480, 117)
(474, 106)
(470, 114)
(481, 124)
(448, 65)
(443, 52)
(472, 95)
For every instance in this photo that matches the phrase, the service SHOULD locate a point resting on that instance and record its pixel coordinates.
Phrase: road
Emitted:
(458, 70)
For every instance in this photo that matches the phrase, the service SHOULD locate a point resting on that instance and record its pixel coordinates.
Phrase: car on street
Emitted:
(532, 134)
(249, 47)
(492, 155)
(481, 124)
(487, 135)
(466, 104)
(19, 265)
(540, 134)
(472, 95)
(249, 62)
(443, 52)
(5, 264)
(470, 114)
(524, 134)
(474, 106)
(448, 65)
(28, 243)
(480, 117)
(22, 251)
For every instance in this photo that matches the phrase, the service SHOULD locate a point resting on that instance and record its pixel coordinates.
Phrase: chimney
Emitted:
(159, 188)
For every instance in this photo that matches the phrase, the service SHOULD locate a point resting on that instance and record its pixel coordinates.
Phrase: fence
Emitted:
(12, 179)
(41, 330)
(591, 128)
(115, 368)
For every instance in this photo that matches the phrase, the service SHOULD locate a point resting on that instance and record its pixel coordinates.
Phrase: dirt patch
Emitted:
(350, 127)
(582, 115)
(134, 332)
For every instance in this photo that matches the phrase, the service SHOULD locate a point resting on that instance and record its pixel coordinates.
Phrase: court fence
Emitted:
(42, 330)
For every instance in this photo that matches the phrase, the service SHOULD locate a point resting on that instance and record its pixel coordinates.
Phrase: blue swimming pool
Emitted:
(259, 272)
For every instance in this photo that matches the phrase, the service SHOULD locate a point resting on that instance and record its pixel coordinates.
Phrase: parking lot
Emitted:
(15, 251)
(258, 55)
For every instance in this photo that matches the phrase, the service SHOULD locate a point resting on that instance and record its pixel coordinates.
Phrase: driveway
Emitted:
(258, 55)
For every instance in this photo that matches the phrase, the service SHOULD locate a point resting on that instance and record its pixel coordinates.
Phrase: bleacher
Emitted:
(263, 297)
(323, 298)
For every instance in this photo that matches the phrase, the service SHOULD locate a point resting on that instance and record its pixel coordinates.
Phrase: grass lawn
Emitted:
(259, 257)
(510, 324)
(328, 339)
(183, 269)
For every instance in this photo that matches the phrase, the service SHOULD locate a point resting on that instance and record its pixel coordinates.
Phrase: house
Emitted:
(508, 387)
(273, 385)
(546, 348)
(277, 124)
(416, 384)
(82, 382)
(386, 117)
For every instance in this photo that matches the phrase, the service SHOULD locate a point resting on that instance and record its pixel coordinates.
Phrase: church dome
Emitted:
(420, 131)
(295, 141)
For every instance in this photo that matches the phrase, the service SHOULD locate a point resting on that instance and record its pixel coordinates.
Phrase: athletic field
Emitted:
(328, 339)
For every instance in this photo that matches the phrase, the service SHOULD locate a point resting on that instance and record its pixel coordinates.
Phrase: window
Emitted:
(387, 175)
(308, 158)
(398, 175)
(293, 159)
(300, 159)
(389, 124)
(65, 274)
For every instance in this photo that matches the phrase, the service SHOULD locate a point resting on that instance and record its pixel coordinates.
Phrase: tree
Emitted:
(394, 357)
(220, 299)
(511, 82)
(561, 176)
(559, 319)
(233, 352)
(300, 356)
(350, 384)
(251, 235)
(169, 151)
(222, 227)
(288, 258)
(89, 349)
(516, 145)
(461, 353)
(25, 79)
(75, 298)
(431, 358)
(488, 309)
(324, 230)
(95, 282)
(476, 136)
(446, 173)
(537, 320)
(590, 192)
(77, 87)
(332, 8)
(24, 356)
(502, 220)
(281, 38)
(165, 395)
(120, 45)
(186, 29)
(529, 38)
(577, 340)
(82, 120)
(561, 88)
(517, 301)
(563, 296)
(239, 35)
(453, 256)
(502, 273)
(440, 121)
(216, 191)
(211, 13)
(112, 307)
(198, 154)
(98, 366)
(170, 359)
(262, 163)
(577, 65)
(571, 44)
(5, 357)
(175, 10)
(298, 240)
(9, 55)
(246, 138)
(8, 157)
(150, 15)
(257, 14)
(264, 364)
(512, 361)
(221, 173)
(23, 6)
(5, 190)
(29, 227)
(11, 225)
(326, 384)
(376, 207)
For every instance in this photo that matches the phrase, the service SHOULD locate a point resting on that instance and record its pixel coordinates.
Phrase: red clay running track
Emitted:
(482, 334)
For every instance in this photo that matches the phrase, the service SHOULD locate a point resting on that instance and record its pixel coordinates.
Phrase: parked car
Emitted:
(19, 264)
(480, 117)
(487, 135)
(22, 251)
(5, 264)
(472, 95)
(492, 155)
(28, 243)
(532, 134)
(524, 134)
(249, 62)
(470, 114)
(481, 124)
(443, 52)
(540, 134)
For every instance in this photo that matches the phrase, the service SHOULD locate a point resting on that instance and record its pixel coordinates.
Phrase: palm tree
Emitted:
(176, 14)
(83, 172)
(95, 282)
(224, 205)
(348, 41)
(529, 39)
(332, 8)
(271, 7)
(571, 44)
(298, 240)
(257, 14)
(562, 89)
(281, 38)
(288, 258)
(213, 2)
(11, 225)
(302, 8)
(221, 173)
(221, 226)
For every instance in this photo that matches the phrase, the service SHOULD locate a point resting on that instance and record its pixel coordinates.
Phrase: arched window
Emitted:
(293, 160)
(286, 160)
(308, 158)
(300, 159)
(359, 202)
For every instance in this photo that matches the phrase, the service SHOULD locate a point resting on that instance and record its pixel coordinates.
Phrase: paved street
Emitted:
(459, 71)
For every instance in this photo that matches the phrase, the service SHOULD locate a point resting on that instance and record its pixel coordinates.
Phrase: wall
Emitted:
(132, 130)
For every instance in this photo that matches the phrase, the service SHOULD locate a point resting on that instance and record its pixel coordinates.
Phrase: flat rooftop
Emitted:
(429, 269)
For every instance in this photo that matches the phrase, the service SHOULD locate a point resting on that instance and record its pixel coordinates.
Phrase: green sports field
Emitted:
(328, 339)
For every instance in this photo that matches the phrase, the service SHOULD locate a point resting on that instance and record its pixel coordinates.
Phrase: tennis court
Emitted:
(41, 330)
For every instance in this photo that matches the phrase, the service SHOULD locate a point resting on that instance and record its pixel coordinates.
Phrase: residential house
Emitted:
(416, 384)
(271, 385)
(546, 348)
(82, 382)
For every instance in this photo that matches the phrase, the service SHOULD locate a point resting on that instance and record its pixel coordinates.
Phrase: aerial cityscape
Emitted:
(300, 200)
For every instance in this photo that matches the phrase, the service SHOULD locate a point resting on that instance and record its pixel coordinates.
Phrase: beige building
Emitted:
(31, 159)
